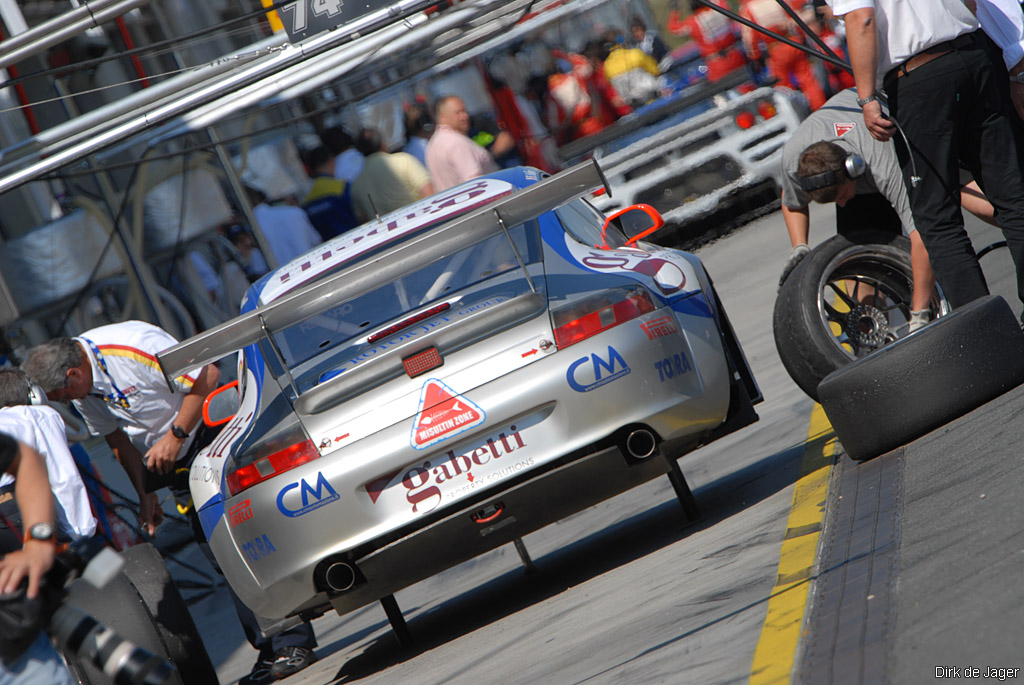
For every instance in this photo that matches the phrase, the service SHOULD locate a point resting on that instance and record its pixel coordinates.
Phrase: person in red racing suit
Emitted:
(783, 60)
(714, 34)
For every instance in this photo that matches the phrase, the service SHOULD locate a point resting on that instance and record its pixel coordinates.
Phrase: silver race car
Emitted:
(449, 378)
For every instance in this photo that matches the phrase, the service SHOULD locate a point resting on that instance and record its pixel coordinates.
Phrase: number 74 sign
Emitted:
(305, 18)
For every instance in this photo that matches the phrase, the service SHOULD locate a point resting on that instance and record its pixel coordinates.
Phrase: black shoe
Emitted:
(261, 672)
(288, 660)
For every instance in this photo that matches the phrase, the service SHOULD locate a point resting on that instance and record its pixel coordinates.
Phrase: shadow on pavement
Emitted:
(609, 548)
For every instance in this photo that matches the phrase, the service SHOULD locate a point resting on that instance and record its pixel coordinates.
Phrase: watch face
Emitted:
(41, 531)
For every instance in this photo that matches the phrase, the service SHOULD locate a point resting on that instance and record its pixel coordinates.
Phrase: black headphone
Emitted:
(853, 168)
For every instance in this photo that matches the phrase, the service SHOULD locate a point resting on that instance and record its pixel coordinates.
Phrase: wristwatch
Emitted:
(178, 432)
(41, 531)
(1017, 78)
(864, 101)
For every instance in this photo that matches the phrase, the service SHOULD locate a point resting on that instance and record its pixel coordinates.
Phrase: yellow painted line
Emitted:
(775, 654)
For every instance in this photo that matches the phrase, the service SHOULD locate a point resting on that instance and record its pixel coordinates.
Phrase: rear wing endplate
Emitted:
(405, 258)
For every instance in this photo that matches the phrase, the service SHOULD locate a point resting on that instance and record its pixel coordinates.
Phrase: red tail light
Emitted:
(270, 466)
(745, 119)
(766, 109)
(592, 315)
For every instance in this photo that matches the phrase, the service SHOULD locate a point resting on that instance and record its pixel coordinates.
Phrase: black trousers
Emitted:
(869, 211)
(956, 109)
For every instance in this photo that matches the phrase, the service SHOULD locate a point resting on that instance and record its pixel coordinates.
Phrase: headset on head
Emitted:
(36, 394)
(853, 168)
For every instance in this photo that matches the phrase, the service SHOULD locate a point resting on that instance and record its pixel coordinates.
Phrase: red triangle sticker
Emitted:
(842, 129)
(442, 414)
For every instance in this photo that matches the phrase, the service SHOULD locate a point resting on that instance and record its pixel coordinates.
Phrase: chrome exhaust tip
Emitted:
(641, 444)
(340, 576)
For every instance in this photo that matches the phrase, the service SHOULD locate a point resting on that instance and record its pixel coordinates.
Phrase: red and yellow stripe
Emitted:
(141, 357)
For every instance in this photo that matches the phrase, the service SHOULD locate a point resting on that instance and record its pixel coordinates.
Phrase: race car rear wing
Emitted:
(405, 258)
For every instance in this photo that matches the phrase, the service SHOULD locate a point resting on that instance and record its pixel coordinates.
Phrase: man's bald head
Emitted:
(450, 110)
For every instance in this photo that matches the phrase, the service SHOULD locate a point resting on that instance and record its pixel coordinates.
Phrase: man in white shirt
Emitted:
(286, 228)
(40, 662)
(112, 375)
(348, 161)
(42, 428)
(947, 87)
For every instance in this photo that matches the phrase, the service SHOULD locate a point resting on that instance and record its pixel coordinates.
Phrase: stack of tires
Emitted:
(841, 330)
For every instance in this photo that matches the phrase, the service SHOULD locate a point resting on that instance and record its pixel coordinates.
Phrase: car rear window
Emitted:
(345, 329)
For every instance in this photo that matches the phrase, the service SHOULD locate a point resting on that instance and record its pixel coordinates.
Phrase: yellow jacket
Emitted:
(623, 60)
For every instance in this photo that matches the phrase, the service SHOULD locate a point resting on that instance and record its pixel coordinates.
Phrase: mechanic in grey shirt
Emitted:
(876, 198)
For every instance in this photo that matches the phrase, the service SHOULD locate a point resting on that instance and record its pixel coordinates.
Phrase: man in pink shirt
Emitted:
(452, 157)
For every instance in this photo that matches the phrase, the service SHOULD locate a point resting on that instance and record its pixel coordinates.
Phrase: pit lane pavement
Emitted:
(915, 570)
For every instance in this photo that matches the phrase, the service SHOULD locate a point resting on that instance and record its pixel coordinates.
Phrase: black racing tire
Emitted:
(146, 569)
(923, 381)
(818, 328)
(119, 607)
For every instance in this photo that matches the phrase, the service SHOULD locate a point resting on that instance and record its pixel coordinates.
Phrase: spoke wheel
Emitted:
(848, 298)
(864, 299)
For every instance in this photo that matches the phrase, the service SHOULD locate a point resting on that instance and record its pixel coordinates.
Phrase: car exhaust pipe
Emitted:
(340, 576)
(641, 443)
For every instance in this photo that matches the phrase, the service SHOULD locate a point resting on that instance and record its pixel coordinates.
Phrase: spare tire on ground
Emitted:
(145, 568)
(849, 297)
(920, 382)
(143, 605)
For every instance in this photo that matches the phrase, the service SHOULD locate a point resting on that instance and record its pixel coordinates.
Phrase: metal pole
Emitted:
(190, 101)
(59, 29)
(243, 198)
(236, 185)
(54, 139)
(135, 265)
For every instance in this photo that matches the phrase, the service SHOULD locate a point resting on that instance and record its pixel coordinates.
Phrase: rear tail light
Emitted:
(745, 119)
(271, 465)
(591, 315)
(766, 109)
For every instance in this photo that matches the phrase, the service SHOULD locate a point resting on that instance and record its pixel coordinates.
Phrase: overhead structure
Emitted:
(194, 102)
(90, 14)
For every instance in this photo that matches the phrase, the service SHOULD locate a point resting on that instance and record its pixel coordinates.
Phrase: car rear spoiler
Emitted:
(405, 258)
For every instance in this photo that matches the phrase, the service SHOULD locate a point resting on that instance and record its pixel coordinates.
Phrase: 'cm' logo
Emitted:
(599, 366)
(312, 498)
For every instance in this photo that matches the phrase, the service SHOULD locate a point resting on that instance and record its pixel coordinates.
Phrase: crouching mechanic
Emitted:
(40, 663)
(832, 157)
(112, 375)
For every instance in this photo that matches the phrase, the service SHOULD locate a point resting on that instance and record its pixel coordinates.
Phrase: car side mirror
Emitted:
(219, 407)
(636, 222)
